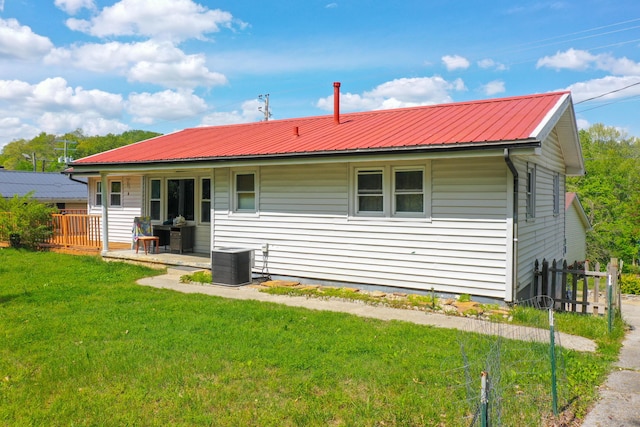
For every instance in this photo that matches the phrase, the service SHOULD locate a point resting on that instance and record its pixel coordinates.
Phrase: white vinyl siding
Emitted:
(576, 236)
(121, 217)
(304, 216)
(544, 237)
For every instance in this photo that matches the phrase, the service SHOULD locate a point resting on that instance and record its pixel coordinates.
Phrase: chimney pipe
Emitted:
(336, 102)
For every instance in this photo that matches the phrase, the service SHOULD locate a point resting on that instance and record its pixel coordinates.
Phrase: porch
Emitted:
(123, 252)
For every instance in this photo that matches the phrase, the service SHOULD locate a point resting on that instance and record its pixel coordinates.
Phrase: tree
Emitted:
(609, 192)
(47, 149)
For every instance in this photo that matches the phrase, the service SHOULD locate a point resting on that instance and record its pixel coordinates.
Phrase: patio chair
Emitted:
(143, 232)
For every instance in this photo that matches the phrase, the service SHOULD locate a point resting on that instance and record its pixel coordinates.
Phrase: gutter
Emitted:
(514, 243)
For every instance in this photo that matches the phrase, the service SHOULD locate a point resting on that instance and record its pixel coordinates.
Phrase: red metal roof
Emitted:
(447, 125)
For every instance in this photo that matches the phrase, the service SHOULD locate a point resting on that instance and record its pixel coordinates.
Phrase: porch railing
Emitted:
(76, 230)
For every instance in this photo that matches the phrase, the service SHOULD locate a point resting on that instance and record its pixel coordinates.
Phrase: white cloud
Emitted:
(54, 94)
(596, 87)
(89, 122)
(149, 62)
(248, 114)
(571, 59)
(581, 60)
(166, 105)
(583, 124)
(18, 41)
(455, 62)
(73, 6)
(188, 73)
(494, 87)
(399, 93)
(53, 106)
(490, 63)
(174, 20)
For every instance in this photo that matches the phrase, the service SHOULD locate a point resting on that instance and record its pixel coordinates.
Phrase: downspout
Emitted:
(77, 180)
(514, 248)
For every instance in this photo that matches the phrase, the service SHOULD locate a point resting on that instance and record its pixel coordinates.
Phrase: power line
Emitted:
(608, 93)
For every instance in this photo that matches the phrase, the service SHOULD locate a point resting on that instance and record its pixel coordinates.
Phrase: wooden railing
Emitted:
(75, 230)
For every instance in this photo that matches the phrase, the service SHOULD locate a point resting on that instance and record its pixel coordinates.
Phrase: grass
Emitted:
(83, 345)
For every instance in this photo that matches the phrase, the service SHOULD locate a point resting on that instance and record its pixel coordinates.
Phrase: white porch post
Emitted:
(105, 214)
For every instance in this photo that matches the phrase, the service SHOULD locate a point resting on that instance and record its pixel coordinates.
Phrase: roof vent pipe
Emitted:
(336, 102)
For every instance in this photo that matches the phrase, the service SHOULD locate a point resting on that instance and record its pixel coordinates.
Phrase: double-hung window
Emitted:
(244, 192)
(99, 193)
(205, 200)
(408, 192)
(115, 195)
(531, 191)
(556, 194)
(391, 191)
(370, 191)
(155, 200)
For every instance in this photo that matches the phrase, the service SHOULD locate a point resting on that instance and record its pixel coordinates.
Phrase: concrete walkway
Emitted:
(619, 403)
(171, 280)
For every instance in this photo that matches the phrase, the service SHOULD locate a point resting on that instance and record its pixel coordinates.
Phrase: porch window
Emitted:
(245, 192)
(205, 200)
(408, 190)
(115, 195)
(99, 193)
(180, 198)
(370, 197)
(531, 191)
(155, 199)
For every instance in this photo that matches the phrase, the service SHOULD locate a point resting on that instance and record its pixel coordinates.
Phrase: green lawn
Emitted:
(82, 344)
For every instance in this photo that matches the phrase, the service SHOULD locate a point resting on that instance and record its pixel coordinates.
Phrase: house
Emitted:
(576, 227)
(458, 198)
(47, 187)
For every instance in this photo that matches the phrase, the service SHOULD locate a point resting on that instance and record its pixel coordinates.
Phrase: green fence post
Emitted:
(484, 401)
(552, 351)
(609, 303)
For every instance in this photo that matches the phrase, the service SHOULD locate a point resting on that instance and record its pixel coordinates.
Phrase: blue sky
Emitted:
(164, 65)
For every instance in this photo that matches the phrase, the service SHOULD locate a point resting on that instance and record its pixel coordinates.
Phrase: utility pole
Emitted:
(267, 114)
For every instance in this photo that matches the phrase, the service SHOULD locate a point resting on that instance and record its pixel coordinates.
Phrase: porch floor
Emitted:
(160, 260)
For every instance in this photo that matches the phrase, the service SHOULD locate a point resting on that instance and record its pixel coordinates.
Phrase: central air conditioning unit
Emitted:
(231, 266)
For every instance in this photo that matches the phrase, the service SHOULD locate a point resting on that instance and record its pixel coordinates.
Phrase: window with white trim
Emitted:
(155, 200)
(205, 200)
(391, 191)
(531, 191)
(99, 193)
(244, 184)
(370, 191)
(115, 193)
(556, 194)
(408, 191)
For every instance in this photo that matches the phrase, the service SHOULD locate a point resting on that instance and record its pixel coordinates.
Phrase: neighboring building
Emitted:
(459, 198)
(576, 227)
(52, 188)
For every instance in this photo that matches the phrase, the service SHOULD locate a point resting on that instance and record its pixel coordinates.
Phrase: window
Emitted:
(205, 200)
(155, 199)
(245, 192)
(99, 193)
(370, 198)
(531, 191)
(408, 191)
(391, 191)
(556, 195)
(180, 198)
(115, 195)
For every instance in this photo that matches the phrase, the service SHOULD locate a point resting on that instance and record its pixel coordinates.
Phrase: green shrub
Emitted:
(630, 284)
(25, 221)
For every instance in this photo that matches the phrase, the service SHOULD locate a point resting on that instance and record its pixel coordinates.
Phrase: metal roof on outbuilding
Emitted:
(47, 187)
